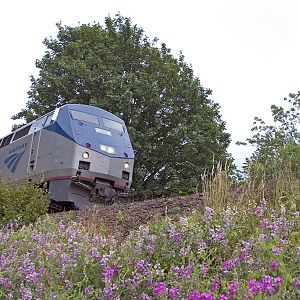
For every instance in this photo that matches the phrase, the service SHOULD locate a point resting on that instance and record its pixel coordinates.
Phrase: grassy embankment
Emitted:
(242, 245)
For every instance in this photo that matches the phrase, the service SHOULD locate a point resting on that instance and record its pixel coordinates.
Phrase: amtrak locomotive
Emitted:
(84, 154)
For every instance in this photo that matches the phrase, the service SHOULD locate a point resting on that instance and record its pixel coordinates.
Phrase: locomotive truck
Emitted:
(83, 153)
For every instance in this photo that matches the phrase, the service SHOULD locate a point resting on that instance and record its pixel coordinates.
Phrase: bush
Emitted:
(22, 202)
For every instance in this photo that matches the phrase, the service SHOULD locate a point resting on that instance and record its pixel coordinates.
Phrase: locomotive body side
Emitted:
(83, 153)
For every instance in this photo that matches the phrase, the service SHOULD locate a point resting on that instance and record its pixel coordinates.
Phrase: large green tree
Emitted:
(174, 126)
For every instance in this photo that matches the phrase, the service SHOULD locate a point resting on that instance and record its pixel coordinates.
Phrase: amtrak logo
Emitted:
(13, 160)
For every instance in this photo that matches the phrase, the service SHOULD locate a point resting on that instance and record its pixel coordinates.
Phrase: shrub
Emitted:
(22, 202)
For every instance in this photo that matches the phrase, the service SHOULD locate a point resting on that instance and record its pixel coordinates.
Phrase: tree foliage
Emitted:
(278, 145)
(174, 126)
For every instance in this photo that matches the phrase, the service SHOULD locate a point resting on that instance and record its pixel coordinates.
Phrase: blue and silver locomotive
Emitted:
(84, 154)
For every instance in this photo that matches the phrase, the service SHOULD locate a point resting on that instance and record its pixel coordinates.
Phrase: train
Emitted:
(82, 153)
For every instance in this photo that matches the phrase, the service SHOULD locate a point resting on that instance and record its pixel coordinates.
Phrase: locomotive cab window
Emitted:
(48, 120)
(82, 116)
(6, 140)
(113, 124)
(19, 134)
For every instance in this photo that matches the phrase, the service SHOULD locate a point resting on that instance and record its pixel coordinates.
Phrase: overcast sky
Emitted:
(246, 51)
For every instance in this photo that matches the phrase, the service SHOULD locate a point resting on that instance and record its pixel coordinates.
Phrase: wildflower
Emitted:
(68, 283)
(230, 264)
(267, 284)
(259, 211)
(136, 280)
(26, 293)
(262, 237)
(223, 297)
(296, 283)
(274, 265)
(145, 297)
(108, 291)
(278, 280)
(276, 251)
(88, 290)
(201, 245)
(208, 214)
(203, 269)
(159, 289)
(173, 293)
(207, 296)
(110, 272)
(140, 265)
(215, 285)
(264, 224)
(188, 271)
(254, 287)
(195, 295)
(184, 222)
(233, 288)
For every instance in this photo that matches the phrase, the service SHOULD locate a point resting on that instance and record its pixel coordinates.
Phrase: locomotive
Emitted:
(83, 153)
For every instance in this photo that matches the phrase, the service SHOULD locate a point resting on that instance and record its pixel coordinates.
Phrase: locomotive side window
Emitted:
(6, 140)
(24, 131)
(113, 124)
(82, 116)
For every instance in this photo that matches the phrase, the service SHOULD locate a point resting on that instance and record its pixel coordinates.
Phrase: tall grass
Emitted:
(219, 189)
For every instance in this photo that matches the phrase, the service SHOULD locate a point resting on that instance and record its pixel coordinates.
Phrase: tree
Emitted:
(174, 126)
(278, 145)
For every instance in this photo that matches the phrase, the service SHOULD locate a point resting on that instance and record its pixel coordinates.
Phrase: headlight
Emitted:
(126, 165)
(108, 149)
(85, 155)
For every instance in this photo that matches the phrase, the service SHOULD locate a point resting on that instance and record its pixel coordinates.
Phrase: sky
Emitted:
(246, 51)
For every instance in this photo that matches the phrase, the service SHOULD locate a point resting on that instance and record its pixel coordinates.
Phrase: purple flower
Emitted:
(173, 293)
(278, 281)
(274, 265)
(145, 297)
(223, 297)
(208, 214)
(276, 251)
(267, 284)
(26, 293)
(195, 295)
(88, 290)
(140, 266)
(159, 289)
(215, 285)
(259, 211)
(110, 272)
(230, 264)
(188, 271)
(233, 288)
(264, 224)
(254, 287)
(203, 269)
(207, 296)
(201, 245)
(296, 283)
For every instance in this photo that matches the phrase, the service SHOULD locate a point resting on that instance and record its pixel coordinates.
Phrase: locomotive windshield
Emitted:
(113, 124)
(82, 116)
